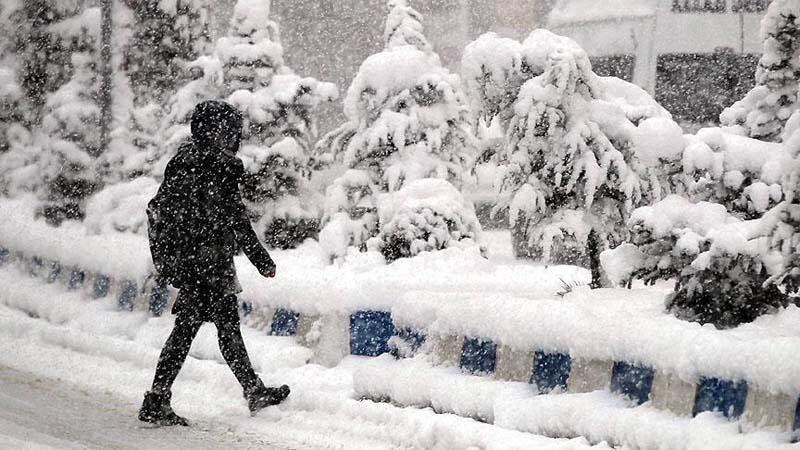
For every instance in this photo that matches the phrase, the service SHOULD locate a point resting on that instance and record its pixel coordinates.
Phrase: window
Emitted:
(750, 6)
(620, 66)
(707, 6)
(696, 87)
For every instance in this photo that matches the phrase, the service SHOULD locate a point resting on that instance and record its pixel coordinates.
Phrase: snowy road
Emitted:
(42, 413)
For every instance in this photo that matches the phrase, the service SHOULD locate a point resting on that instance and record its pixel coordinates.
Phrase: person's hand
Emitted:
(269, 272)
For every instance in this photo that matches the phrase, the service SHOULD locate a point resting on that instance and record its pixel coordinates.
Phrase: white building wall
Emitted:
(665, 32)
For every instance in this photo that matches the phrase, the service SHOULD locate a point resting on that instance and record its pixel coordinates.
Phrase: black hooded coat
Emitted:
(201, 189)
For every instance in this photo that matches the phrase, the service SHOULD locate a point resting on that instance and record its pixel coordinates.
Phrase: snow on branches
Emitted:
(763, 113)
(580, 150)
(406, 120)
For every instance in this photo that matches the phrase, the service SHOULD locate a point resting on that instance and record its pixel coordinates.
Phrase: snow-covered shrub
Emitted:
(741, 173)
(763, 112)
(720, 263)
(43, 55)
(581, 150)
(407, 119)
(494, 69)
(19, 171)
(350, 213)
(425, 215)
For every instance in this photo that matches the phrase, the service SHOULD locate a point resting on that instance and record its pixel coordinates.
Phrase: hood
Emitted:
(216, 128)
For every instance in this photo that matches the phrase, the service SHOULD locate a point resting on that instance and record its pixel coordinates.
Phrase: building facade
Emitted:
(695, 56)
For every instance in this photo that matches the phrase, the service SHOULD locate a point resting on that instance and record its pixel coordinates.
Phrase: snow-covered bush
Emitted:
(494, 69)
(763, 113)
(425, 215)
(721, 264)
(741, 173)
(581, 150)
(43, 55)
(407, 119)
(246, 68)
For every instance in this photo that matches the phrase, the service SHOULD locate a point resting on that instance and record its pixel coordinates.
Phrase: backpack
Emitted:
(176, 219)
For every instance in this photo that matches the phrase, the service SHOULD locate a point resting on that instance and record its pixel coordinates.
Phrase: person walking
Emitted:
(196, 223)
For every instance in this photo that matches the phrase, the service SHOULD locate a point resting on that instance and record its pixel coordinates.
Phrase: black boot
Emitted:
(260, 396)
(156, 409)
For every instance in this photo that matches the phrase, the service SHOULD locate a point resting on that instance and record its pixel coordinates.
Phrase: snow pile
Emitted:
(599, 416)
(406, 120)
(78, 343)
(425, 215)
(121, 207)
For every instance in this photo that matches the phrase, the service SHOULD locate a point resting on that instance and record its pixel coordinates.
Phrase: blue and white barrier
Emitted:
(335, 334)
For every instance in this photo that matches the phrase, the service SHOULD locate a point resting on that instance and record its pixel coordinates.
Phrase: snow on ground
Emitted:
(76, 344)
(599, 415)
(45, 413)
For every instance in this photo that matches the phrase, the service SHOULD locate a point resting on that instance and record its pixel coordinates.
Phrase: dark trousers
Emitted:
(187, 324)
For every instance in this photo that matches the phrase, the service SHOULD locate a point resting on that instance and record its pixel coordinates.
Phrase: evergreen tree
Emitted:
(10, 90)
(579, 156)
(278, 108)
(167, 35)
(763, 113)
(247, 68)
(406, 120)
(785, 237)
(43, 52)
(68, 165)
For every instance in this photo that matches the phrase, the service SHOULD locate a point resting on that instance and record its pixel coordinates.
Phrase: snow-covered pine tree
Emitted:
(10, 90)
(278, 107)
(167, 35)
(43, 55)
(407, 119)
(68, 163)
(581, 152)
(785, 236)
(206, 83)
(763, 112)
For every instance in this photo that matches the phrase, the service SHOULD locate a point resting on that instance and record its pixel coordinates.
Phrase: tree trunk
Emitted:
(593, 249)
(105, 74)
